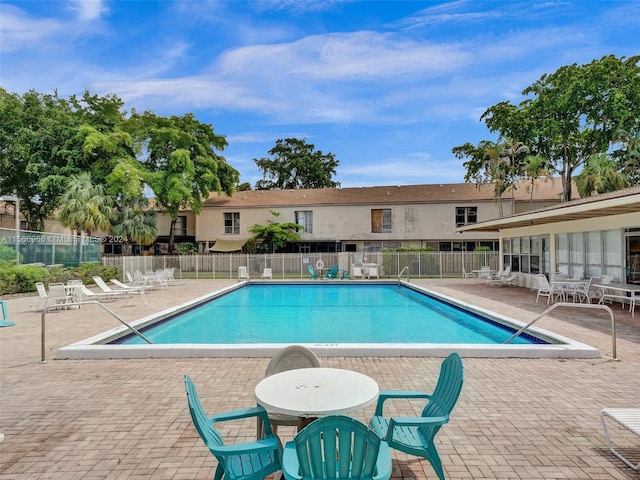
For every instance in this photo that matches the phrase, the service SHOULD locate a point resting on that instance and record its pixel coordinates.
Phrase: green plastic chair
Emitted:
(312, 272)
(333, 272)
(336, 447)
(415, 435)
(246, 461)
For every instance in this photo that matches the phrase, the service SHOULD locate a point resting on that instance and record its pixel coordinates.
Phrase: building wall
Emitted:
(411, 223)
(611, 222)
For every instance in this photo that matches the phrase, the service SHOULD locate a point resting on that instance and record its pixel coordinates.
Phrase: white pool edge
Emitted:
(95, 347)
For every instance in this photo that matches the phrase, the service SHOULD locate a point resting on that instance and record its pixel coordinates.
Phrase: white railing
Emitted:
(416, 264)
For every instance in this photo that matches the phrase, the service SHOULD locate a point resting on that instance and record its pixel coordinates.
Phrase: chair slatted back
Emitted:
(446, 393)
(204, 426)
(42, 291)
(337, 447)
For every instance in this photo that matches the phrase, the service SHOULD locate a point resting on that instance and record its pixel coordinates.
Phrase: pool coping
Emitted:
(95, 347)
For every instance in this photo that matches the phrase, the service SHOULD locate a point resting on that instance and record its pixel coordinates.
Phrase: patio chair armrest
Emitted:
(290, 463)
(267, 444)
(240, 414)
(397, 394)
(416, 422)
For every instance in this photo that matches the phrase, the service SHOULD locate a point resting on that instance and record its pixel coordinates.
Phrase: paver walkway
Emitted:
(128, 419)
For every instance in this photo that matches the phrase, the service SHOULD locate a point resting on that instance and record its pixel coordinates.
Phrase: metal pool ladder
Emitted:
(574, 305)
(88, 302)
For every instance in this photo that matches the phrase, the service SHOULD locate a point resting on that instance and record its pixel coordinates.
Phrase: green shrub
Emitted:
(23, 278)
(187, 248)
(28, 275)
(84, 272)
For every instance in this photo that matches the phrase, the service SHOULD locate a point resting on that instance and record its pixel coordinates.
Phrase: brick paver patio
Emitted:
(128, 419)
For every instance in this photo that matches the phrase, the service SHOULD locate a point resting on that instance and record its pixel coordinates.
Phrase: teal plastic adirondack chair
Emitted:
(245, 461)
(336, 447)
(415, 435)
(333, 272)
(312, 272)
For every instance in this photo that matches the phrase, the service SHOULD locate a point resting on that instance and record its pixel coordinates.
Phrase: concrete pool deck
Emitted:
(128, 419)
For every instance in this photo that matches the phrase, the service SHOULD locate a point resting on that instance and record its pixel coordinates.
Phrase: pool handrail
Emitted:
(70, 304)
(576, 305)
(406, 268)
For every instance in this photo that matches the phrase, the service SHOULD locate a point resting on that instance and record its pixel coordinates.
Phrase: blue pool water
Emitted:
(333, 313)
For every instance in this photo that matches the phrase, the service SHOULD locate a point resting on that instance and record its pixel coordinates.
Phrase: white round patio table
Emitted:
(315, 392)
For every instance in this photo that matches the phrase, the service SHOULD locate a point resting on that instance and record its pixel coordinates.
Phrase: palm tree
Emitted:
(512, 156)
(85, 207)
(134, 223)
(533, 168)
(495, 172)
(600, 174)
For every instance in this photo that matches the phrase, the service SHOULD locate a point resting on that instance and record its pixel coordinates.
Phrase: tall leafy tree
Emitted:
(183, 164)
(37, 151)
(572, 114)
(296, 164)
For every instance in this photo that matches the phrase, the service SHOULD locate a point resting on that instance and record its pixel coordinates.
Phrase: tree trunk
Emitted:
(172, 235)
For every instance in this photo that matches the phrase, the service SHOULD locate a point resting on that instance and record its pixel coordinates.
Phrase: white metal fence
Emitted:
(418, 264)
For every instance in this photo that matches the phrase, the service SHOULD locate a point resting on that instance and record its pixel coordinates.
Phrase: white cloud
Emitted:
(20, 31)
(88, 10)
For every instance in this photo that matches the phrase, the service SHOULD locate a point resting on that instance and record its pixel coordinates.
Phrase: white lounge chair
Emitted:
(267, 273)
(628, 418)
(134, 290)
(102, 296)
(500, 281)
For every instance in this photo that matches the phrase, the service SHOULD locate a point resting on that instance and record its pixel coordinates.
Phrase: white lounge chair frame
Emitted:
(135, 290)
(628, 418)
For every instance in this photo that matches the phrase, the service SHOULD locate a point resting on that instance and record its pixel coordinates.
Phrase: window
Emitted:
(305, 218)
(232, 223)
(526, 254)
(466, 215)
(381, 220)
(180, 227)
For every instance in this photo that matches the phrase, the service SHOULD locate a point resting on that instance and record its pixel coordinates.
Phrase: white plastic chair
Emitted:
(357, 272)
(267, 273)
(243, 274)
(546, 289)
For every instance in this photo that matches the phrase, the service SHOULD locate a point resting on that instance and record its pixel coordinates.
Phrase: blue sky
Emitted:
(388, 87)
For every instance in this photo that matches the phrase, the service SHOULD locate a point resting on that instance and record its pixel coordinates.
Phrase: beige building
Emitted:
(598, 234)
(368, 219)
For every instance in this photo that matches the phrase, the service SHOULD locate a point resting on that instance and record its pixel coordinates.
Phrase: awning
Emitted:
(228, 245)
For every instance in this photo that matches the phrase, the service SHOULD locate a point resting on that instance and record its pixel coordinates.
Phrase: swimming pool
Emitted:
(321, 319)
(327, 313)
